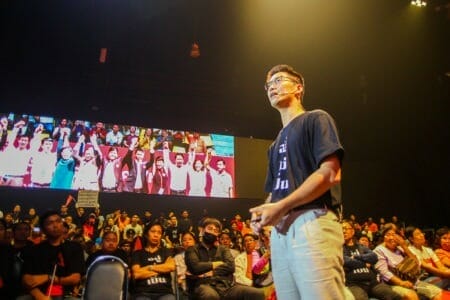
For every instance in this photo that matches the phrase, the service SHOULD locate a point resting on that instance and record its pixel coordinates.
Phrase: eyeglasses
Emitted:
(277, 81)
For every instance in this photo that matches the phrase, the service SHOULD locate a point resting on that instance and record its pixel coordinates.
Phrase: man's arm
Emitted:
(153, 270)
(194, 264)
(328, 174)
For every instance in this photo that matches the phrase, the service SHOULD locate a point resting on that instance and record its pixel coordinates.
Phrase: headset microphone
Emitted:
(286, 93)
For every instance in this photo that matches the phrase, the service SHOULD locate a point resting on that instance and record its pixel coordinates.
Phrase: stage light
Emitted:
(419, 3)
(195, 50)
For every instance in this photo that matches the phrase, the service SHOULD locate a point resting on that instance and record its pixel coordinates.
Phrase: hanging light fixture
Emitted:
(195, 50)
(419, 3)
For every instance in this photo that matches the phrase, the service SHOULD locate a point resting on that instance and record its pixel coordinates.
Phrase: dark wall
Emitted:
(44, 200)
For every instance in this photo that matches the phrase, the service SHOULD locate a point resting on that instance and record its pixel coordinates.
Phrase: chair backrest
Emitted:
(106, 279)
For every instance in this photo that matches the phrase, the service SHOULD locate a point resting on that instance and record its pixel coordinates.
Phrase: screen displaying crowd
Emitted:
(45, 152)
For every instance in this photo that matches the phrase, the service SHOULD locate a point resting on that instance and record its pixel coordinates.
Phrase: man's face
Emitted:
(173, 221)
(22, 232)
(220, 166)
(53, 226)
(63, 122)
(115, 128)
(282, 89)
(47, 146)
(112, 154)
(179, 160)
(23, 142)
(99, 125)
(249, 244)
(212, 229)
(110, 242)
(139, 155)
(184, 214)
(159, 164)
(17, 209)
(225, 240)
(134, 219)
(348, 231)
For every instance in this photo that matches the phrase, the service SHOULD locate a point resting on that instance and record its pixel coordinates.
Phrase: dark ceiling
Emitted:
(378, 66)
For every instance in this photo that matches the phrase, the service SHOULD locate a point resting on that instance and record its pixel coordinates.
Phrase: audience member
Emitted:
(109, 246)
(226, 241)
(187, 240)
(442, 245)
(54, 266)
(358, 267)
(390, 254)
(151, 267)
(433, 269)
(212, 268)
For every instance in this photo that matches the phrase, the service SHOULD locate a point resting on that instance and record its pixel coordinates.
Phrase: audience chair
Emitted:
(106, 279)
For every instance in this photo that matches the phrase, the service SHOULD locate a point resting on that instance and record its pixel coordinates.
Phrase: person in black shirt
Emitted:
(53, 267)
(211, 268)
(110, 243)
(358, 266)
(151, 268)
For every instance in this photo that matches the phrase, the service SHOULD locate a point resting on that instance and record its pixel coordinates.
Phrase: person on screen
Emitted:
(86, 177)
(159, 178)
(110, 174)
(65, 167)
(3, 131)
(43, 164)
(100, 133)
(132, 134)
(145, 138)
(114, 137)
(197, 178)
(178, 170)
(16, 155)
(136, 181)
(60, 132)
(222, 183)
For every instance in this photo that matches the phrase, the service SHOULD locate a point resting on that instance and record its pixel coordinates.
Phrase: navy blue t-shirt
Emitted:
(299, 150)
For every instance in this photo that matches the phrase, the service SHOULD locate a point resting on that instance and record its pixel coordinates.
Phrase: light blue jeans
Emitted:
(307, 261)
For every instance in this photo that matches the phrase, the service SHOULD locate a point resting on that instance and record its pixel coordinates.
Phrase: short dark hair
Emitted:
(213, 221)
(16, 225)
(45, 216)
(291, 71)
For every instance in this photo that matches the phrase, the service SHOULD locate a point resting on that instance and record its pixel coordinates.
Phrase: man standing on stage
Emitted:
(304, 163)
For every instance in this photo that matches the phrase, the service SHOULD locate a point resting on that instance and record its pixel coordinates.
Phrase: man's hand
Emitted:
(266, 214)
(32, 281)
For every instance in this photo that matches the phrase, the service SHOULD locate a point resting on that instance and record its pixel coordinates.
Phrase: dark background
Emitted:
(380, 67)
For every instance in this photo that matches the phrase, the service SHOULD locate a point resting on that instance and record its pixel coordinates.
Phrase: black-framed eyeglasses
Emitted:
(278, 81)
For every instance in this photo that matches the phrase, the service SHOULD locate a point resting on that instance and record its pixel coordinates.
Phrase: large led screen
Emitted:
(46, 152)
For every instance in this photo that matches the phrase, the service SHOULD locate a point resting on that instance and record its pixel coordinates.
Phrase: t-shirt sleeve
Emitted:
(136, 258)
(77, 263)
(325, 138)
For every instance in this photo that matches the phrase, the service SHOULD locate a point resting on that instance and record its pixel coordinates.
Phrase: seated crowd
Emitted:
(48, 255)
